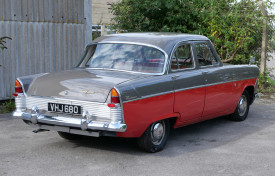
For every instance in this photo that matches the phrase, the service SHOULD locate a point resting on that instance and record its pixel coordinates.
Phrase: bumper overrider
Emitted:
(83, 125)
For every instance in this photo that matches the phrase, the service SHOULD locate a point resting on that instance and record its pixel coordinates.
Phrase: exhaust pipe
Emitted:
(39, 130)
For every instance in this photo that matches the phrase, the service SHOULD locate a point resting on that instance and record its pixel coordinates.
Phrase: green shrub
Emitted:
(7, 106)
(265, 82)
(234, 26)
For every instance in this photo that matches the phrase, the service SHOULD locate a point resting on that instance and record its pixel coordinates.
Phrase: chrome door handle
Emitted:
(175, 77)
(204, 72)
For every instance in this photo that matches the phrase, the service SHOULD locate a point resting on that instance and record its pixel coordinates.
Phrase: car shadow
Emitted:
(201, 136)
(120, 145)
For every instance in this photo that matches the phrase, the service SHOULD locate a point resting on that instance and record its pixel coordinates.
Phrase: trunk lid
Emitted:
(79, 84)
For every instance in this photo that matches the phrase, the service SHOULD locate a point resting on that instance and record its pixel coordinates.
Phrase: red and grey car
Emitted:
(137, 85)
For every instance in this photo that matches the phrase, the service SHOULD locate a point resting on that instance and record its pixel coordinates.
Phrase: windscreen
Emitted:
(128, 57)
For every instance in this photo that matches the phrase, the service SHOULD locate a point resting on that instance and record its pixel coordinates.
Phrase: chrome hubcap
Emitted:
(157, 132)
(242, 106)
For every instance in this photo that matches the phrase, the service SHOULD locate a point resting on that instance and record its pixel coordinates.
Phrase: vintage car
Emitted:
(137, 85)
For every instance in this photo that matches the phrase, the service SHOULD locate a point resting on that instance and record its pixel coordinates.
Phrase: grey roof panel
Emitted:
(165, 41)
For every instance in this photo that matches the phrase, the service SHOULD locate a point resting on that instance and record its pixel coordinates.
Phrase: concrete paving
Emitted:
(214, 147)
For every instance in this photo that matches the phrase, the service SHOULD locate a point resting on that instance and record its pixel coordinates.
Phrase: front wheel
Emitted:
(155, 136)
(242, 109)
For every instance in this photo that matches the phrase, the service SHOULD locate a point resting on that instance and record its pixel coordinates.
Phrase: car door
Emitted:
(188, 84)
(218, 81)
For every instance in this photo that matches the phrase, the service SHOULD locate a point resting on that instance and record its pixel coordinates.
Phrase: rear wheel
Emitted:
(155, 136)
(242, 109)
(68, 136)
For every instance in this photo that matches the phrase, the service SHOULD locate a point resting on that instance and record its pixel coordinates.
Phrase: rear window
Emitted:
(128, 57)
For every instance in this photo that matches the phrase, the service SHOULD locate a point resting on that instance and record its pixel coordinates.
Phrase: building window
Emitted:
(110, 30)
(96, 31)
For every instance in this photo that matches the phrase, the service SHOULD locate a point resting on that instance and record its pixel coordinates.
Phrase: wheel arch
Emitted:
(250, 91)
(140, 129)
(172, 118)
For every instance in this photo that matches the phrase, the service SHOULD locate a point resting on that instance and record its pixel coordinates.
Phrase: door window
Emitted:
(205, 55)
(182, 58)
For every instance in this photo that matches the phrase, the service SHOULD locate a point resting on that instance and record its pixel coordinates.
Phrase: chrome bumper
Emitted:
(85, 123)
(256, 95)
(96, 119)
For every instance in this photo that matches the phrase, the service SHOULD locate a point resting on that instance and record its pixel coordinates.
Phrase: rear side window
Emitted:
(182, 58)
(205, 55)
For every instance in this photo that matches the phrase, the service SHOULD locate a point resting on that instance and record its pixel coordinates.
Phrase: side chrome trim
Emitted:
(158, 94)
(149, 96)
(165, 69)
(213, 84)
(188, 88)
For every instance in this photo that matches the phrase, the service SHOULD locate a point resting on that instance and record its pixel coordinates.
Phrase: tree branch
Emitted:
(232, 57)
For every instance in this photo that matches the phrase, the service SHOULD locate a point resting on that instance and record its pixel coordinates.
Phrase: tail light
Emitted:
(18, 88)
(114, 98)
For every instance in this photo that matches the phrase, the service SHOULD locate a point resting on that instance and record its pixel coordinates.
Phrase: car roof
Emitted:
(165, 41)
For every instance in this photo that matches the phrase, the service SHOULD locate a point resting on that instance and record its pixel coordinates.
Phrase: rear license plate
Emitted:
(64, 108)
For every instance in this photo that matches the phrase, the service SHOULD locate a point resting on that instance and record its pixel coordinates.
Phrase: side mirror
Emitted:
(252, 60)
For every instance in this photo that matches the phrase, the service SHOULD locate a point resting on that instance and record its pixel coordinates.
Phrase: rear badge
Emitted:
(90, 92)
(66, 92)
